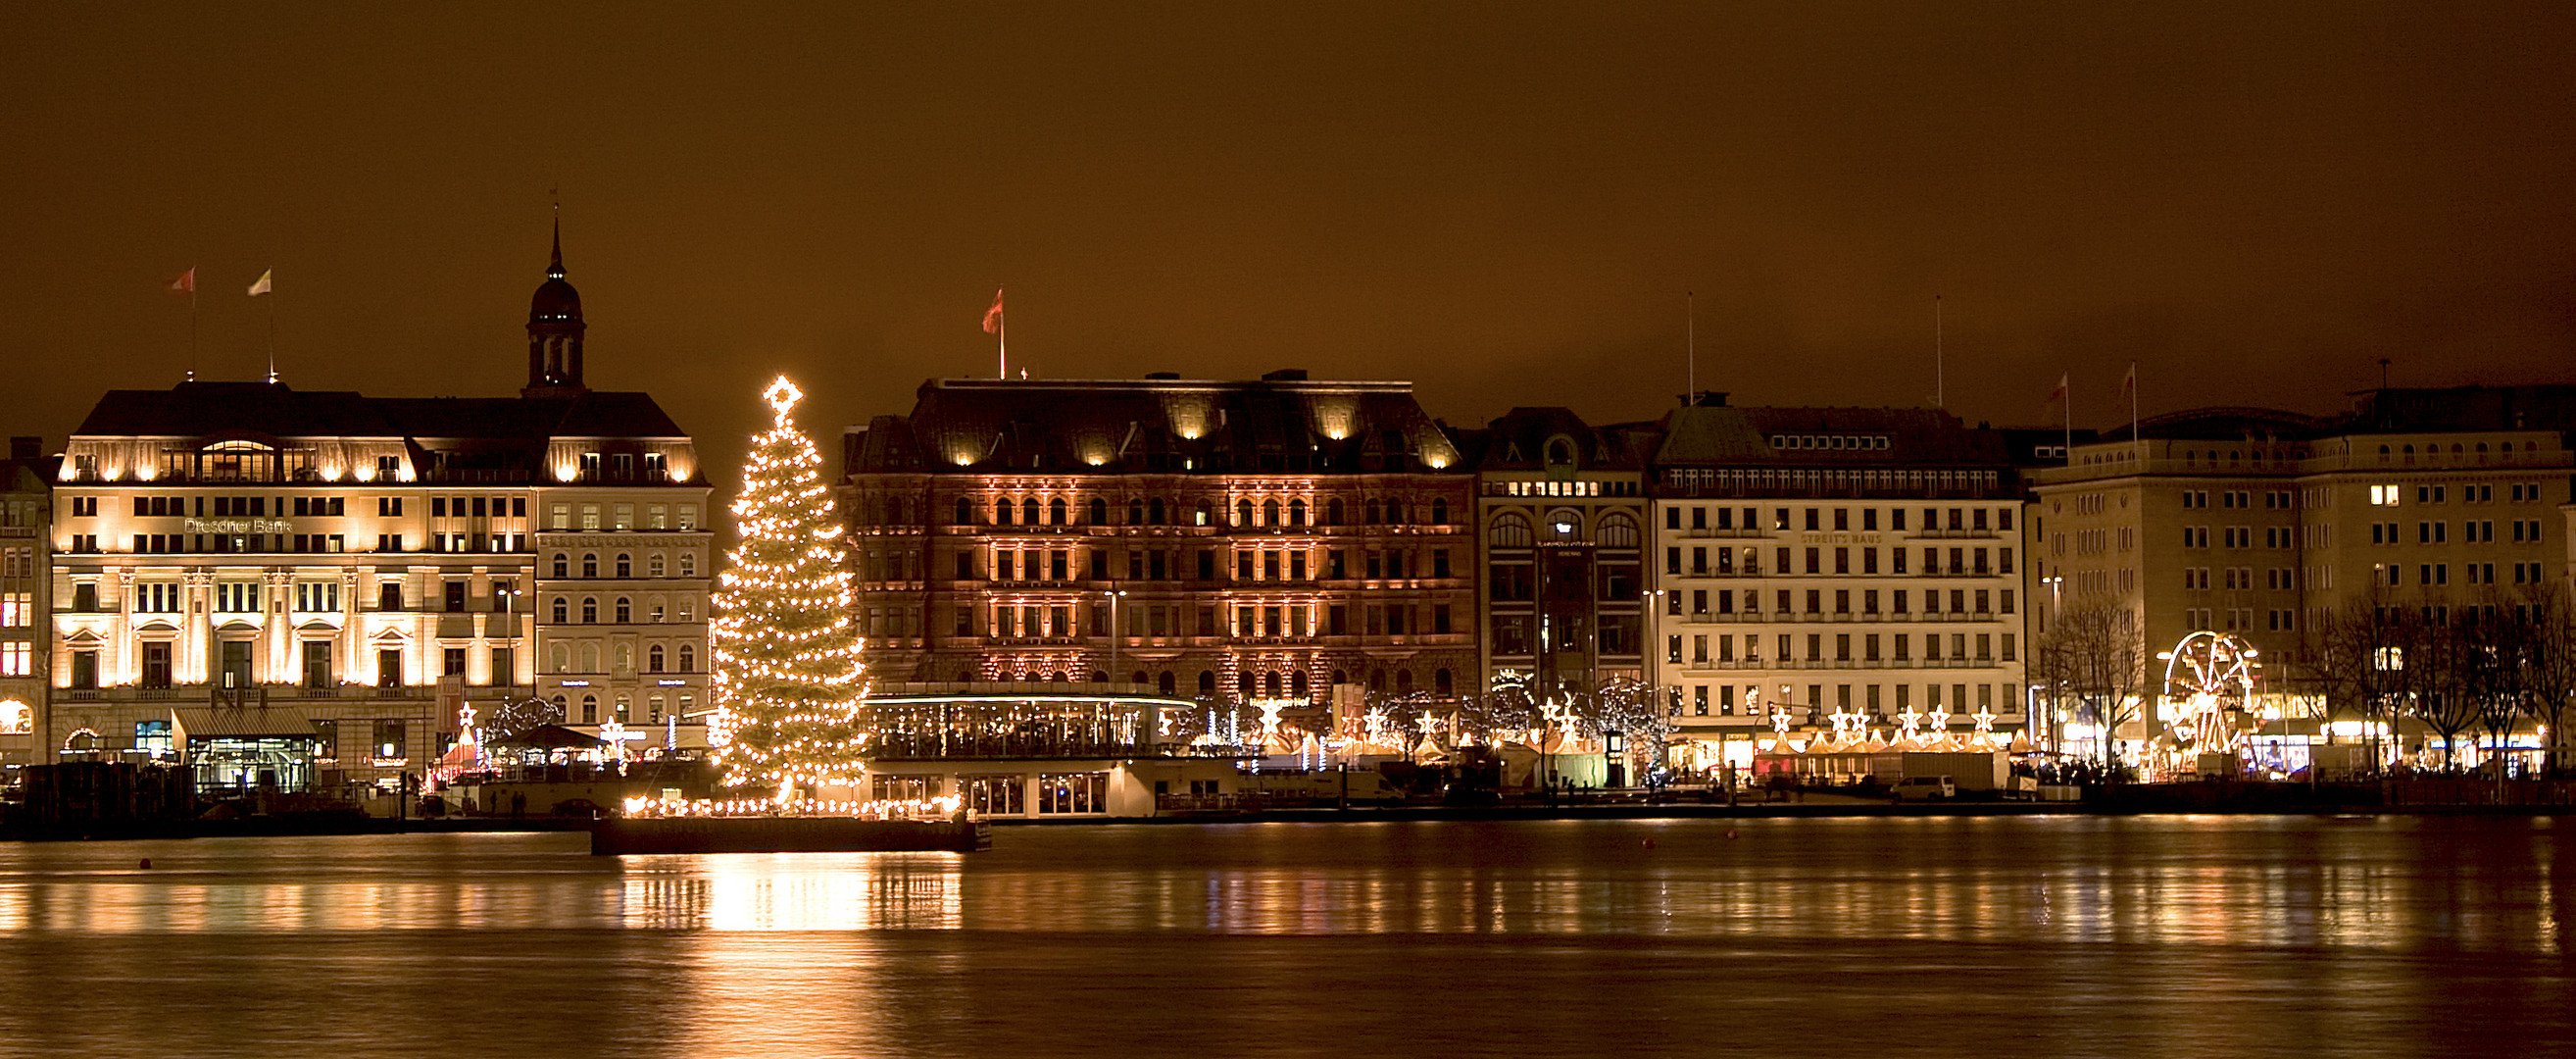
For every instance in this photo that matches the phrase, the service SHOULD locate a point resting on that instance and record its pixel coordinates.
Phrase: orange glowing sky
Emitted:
(1504, 203)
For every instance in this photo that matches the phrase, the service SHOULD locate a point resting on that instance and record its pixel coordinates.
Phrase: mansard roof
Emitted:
(204, 409)
(1710, 434)
(1517, 441)
(1281, 423)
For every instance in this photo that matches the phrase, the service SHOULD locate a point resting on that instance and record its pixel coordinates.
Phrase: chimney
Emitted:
(1285, 375)
(24, 448)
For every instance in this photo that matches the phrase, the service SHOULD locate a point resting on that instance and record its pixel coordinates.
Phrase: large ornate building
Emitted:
(1222, 540)
(2261, 523)
(284, 587)
(1815, 562)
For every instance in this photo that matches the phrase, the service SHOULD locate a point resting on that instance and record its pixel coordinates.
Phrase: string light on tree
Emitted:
(788, 686)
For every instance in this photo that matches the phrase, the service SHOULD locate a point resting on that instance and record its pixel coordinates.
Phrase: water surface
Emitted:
(2177, 936)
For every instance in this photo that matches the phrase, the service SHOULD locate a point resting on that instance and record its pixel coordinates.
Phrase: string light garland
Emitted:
(789, 691)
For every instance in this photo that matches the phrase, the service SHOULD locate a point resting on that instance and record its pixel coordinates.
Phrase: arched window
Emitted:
(625, 611)
(653, 565)
(1135, 512)
(1029, 511)
(1002, 512)
(625, 566)
(965, 513)
(1377, 681)
(625, 658)
(590, 658)
(1560, 452)
(1375, 512)
(1243, 684)
(1099, 511)
(561, 566)
(1296, 512)
(1154, 511)
(1442, 684)
(1618, 530)
(1510, 530)
(560, 659)
(1440, 511)
(688, 658)
(1562, 524)
(1341, 676)
(1165, 683)
(1404, 682)
(1138, 678)
(558, 611)
(1270, 513)
(590, 564)
(688, 564)
(1270, 685)
(653, 659)
(1333, 511)
(1098, 677)
(1202, 517)
(1243, 513)
(590, 709)
(1298, 685)
(1207, 683)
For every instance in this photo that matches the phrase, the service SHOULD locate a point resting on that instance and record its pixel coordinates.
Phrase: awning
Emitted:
(271, 722)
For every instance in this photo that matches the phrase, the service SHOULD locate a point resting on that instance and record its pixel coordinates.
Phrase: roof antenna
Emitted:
(2383, 373)
(1940, 388)
(1690, 346)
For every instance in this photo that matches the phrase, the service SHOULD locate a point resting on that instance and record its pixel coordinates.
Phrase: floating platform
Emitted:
(614, 836)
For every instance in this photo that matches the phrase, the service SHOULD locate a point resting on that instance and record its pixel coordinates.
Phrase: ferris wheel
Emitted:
(2210, 677)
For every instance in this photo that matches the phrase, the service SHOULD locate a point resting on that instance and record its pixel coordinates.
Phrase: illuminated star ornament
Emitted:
(789, 690)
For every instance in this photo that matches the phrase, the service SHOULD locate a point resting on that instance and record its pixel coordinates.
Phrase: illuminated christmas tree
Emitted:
(788, 685)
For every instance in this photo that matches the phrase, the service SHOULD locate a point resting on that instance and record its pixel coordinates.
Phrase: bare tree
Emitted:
(2097, 655)
(2348, 659)
(2549, 667)
(2439, 673)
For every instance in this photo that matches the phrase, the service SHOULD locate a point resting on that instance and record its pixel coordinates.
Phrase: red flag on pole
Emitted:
(993, 316)
(2060, 391)
(187, 281)
(2129, 386)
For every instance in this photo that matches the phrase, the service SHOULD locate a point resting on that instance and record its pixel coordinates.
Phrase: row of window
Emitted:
(1272, 564)
(1721, 699)
(2475, 531)
(620, 566)
(1964, 562)
(1814, 519)
(2515, 492)
(1901, 646)
(1150, 621)
(1029, 511)
(1270, 684)
(1899, 601)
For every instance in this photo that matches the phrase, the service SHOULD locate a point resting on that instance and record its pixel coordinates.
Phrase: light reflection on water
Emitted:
(2390, 936)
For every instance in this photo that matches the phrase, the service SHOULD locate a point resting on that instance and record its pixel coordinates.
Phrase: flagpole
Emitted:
(1939, 392)
(2134, 440)
(272, 334)
(1002, 333)
(192, 323)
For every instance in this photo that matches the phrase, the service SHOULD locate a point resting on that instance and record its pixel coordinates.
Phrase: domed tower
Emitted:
(554, 333)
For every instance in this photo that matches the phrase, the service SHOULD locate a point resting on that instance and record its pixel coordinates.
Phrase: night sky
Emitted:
(1503, 202)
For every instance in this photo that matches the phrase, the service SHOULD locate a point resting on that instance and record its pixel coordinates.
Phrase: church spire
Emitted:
(555, 329)
(554, 268)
